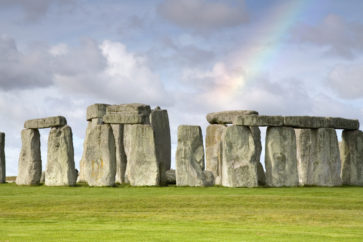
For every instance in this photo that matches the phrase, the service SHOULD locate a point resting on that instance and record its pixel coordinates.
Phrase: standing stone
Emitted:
(2, 158)
(170, 176)
(100, 160)
(190, 158)
(261, 175)
(82, 163)
(213, 150)
(241, 155)
(142, 162)
(60, 165)
(30, 163)
(280, 158)
(318, 157)
(160, 123)
(42, 178)
(352, 157)
(121, 161)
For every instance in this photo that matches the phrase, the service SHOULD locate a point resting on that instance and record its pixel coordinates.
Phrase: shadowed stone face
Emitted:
(2, 158)
(280, 158)
(351, 154)
(30, 163)
(241, 154)
(121, 161)
(60, 165)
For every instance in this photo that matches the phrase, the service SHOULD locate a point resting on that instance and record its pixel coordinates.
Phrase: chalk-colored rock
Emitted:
(142, 162)
(352, 157)
(100, 157)
(121, 161)
(43, 123)
(213, 150)
(30, 163)
(170, 177)
(259, 120)
(190, 157)
(2, 158)
(60, 169)
(318, 157)
(97, 110)
(280, 157)
(227, 117)
(160, 123)
(241, 154)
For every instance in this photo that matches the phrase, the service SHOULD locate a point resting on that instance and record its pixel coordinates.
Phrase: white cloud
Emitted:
(203, 15)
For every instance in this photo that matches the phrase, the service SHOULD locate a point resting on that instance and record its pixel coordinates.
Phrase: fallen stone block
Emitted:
(227, 117)
(318, 157)
(241, 155)
(96, 111)
(100, 156)
(159, 120)
(170, 177)
(213, 150)
(142, 162)
(2, 158)
(30, 163)
(258, 120)
(280, 157)
(190, 157)
(60, 169)
(351, 154)
(42, 123)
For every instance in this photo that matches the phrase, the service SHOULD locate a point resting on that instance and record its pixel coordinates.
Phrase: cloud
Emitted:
(203, 15)
(35, 9)
(346, 80)
(337, 35)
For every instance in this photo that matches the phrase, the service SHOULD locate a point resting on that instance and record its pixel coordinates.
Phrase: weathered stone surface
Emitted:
(261, 174)
(30, 163)
(160, 123)
(241, 154)
(190, 157)
(280, 157)
(342, 123)
(130, 108)
(227, 117)
(97, 110)
(121, 160)
(351, 154)
(42, 178)
(142, 163)
(126, 118)
(60, 169)
(42, 123)
(318, 157)
(209, 178)
(213, 150)
(100, 156)
(259, 120)
(309, 122)
(2, 158)
(82, 164)
(170, 177)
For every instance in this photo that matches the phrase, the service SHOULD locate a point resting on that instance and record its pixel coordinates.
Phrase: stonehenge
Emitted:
(131, 144)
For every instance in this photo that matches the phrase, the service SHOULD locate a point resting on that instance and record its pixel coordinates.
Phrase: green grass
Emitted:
(180, 213)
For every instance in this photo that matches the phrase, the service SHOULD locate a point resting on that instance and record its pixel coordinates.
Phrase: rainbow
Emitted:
(273, 29)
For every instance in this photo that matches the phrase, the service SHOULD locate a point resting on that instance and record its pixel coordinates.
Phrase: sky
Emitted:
(191, 57)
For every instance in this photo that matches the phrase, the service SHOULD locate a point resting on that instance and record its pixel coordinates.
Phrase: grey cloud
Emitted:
(22, 71)
(203, 15)
(340, 37)
(346, 80)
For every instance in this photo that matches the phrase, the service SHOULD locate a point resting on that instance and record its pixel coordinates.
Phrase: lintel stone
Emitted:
(43, 123)
(97, 110)
(257, 120)
(227, 117)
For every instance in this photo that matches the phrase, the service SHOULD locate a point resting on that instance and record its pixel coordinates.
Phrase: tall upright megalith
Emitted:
(121, 159)
(351, 154)
(60, 169)
(100, 156)
(190, 158)
(30, 163)
(318, 157)
(2, 158)
(213, 150)
(280, 157)
(159, 121)
(241, 154)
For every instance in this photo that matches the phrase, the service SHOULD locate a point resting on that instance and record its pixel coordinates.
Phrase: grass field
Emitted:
(180, 213)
